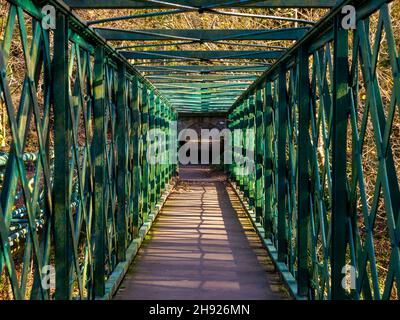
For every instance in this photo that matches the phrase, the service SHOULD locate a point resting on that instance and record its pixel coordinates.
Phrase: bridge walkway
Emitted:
(202, 246)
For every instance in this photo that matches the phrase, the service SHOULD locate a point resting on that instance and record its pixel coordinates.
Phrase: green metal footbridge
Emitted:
(78, 192)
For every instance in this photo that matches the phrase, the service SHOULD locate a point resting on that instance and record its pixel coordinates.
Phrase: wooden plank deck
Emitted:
(202, 246)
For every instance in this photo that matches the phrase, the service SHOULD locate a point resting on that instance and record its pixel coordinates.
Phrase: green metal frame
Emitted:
(79, 200)
(199, 5)
(202, 35)
(315, 217)
(82, 185)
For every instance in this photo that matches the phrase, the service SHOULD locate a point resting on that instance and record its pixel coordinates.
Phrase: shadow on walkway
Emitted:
(202, 246)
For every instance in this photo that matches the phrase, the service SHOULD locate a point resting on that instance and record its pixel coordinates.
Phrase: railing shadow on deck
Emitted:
(202, 248)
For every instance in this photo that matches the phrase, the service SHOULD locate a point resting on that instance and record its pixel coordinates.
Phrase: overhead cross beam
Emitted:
(129, 4)
(202, 102)
(200, 87)
(174, 92)
(206, 96)
(202, 34)
(203, 55)
(207, 85)
(209, 11)
(201, 78)
(199, 69)
(182, 92)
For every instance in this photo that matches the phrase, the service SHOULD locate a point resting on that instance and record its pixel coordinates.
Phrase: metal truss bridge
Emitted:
(78, 99)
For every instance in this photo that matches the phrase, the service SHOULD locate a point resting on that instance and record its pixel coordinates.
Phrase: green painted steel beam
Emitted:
(323, 26)
(172, 89)
(200, 35)
(79, 221)
(201, 69)
(165, 91)
(188, 104)
(220, 107)
(194, 102)
(202, 110)
(201, 101)
(199, 108)
(211, 100)
(202, 107)
(122, 139)
(206, 98)
(206, 85)
(202, 78)
(224, 106)
(199, 97)
(203, 55)
(179, 105)
(200, 93)
(62, 228)
(340, 203)
(303, 179)
(128, 4)
(219, 93)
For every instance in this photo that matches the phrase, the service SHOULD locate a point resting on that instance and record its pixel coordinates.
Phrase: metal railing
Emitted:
(325, 194)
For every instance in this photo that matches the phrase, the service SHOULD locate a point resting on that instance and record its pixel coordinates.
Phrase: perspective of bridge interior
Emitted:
(304, 99)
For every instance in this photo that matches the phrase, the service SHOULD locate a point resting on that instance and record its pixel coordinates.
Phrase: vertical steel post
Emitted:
(157, 139)
(241, 146)
(245, 146)
(303, 179)
(237, 146)
(168, 145)
(152, 166)
(251, 125)
(122, 162)
(145, 164)
(136, 120)
(340, 206)
(268, 158)
(163, 146)
(282, 170)
(62, 133)
(99, 139)
(259, 154)
(174, 148)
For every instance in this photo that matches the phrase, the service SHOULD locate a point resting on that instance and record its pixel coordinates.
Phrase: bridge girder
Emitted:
(202, 34)
(128, 4)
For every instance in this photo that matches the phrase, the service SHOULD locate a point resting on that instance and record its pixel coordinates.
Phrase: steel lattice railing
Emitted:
(316, 114)
(78, 200)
